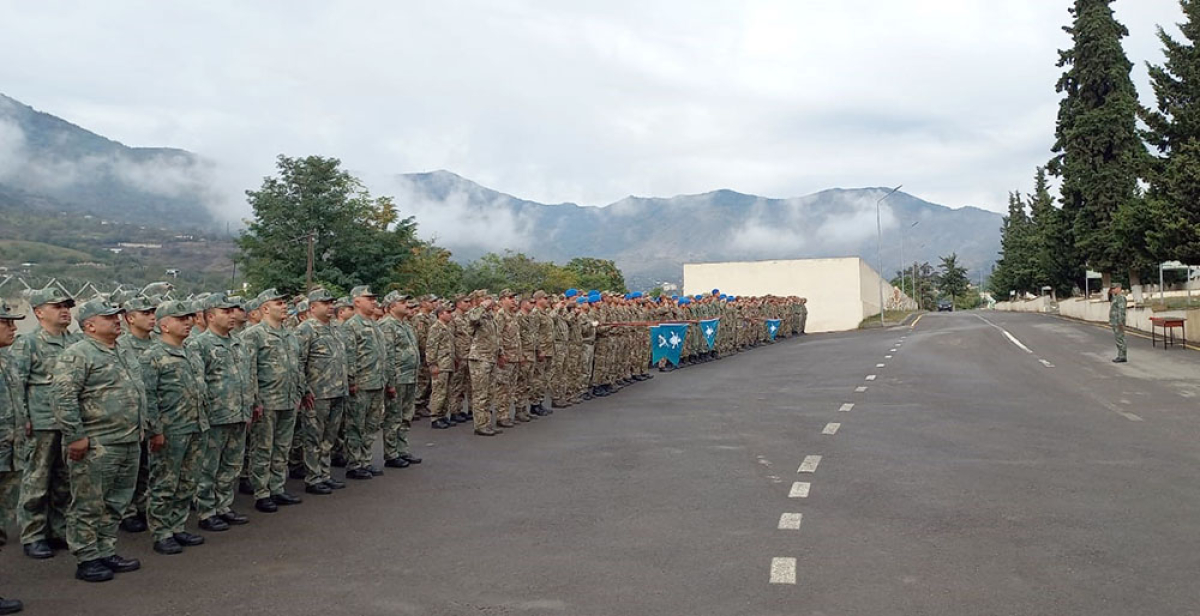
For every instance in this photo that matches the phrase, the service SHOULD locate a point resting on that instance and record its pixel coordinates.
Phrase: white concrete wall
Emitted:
(841, 292)
(1096, 311)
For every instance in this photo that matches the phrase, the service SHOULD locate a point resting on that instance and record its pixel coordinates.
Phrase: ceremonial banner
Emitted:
(709, 329)
(667, 340)
(772, 328)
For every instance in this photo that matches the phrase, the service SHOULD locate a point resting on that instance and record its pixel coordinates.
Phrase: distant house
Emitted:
(147, 245)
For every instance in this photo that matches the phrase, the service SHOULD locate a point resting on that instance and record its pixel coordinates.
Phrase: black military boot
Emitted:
(119, 564)
(10, 606)
(93, 571)
(39, 549)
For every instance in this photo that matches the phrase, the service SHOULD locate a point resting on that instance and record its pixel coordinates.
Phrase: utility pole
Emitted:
(879, 234)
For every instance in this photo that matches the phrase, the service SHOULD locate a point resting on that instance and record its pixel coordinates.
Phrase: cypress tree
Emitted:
(1052, 266)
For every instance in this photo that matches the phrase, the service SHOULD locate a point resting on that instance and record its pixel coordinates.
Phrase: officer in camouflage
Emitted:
(325, 366)
(11, 433)
(372, 382)
(439, 357)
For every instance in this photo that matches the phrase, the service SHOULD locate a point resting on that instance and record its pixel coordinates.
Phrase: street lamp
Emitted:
(879, 234)
(903, 265)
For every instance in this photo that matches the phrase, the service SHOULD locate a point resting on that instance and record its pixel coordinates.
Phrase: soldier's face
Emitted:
(106, 328)
(320, 310)
(179, 327)
(445, 316)
(142, 319)
(8, 331)
(239, 316)
(222, 319)
(275, 309)
(58, 314)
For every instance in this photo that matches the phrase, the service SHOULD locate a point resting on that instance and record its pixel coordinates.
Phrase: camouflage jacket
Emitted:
(98, 393)
(175, 391)
(34, 354)
(439, 347)
(508, 325)
(1116, 312)
(10, 400)
(485, 338)
(403, 352)
(529, 336)
(273, 357)
(368, 353)
(226, 378)
(461, 328)
(420, 323)
(324, 362)
(545, 331)
(140, 347)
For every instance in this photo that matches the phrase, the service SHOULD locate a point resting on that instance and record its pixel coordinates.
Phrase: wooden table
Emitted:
(1168, 325)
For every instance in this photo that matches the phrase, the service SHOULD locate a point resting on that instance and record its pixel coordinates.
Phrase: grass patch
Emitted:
(20, 251)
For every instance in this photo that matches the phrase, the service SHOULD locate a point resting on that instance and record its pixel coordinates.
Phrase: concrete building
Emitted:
(841, 292)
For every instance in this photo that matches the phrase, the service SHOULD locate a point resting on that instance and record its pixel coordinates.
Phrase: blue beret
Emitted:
(637, 294)
(594, 292)
(571, 293)
(698, 296)
(581, 300)
(716, 292)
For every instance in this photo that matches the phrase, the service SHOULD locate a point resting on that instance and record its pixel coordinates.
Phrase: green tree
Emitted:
(1053, 265)
(1017, 267)
(1098, 153)
(952, 279)
(356, 238)
(599, 274)
(429, 269)
(924, 280)
(1173, 129)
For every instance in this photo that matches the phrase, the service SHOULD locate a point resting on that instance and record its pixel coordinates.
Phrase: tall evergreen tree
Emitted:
(1053, 266)
(1098, 152)
(1017, 266)
(1174, 131)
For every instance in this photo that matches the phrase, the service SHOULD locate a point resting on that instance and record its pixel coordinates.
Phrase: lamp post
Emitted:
(879, 234)
(903, 265)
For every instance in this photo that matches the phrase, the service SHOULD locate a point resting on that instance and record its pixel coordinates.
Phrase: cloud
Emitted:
(12, 148)
(460, 219)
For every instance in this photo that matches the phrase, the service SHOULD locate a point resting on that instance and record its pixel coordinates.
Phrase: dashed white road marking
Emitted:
(887, 356)
(783, 570)
(790, 521)
(846, 407)
(1130, 416)
(831, 428)
(870, 377)
(1011, 338)
(1046, 363)
(880, 365)
(891, 350)
(809, 465)
(860, 388)
(800, 489)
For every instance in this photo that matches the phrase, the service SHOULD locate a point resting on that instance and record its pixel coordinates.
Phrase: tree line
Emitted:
(1129, 195)
(312, 210)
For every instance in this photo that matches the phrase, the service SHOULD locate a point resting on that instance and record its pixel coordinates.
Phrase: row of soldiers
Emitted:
(158, 406)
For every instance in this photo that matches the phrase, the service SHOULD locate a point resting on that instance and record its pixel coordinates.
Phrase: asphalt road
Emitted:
(971, 476)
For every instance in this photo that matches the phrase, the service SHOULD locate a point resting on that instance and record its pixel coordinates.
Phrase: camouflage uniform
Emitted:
(98, 394)
(558, 378)
(139, 347)
(175, 404)
(504, 392)
(460, 380)
(526, 369)
(273, 356)
(1116, 320)
(399, 411)
(325, 365)
(45, 483)
(230, 408)
(481, 359)
(12, 435)
(369, 356)
(420, 324)
(439, 351)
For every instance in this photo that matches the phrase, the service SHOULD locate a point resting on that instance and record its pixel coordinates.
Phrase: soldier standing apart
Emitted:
(274, 360)
(324, 364)
(99, 403)
(11, 432)
(45, 483)
(1116, 320)
(484, 355)
(176, 422)
(230, 411)
(439, 356)
(368, 352)
(139, 323)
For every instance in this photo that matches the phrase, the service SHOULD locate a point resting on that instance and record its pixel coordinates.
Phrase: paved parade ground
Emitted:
(975, 463)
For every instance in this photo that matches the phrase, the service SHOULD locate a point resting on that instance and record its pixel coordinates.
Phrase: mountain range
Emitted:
(50, 165)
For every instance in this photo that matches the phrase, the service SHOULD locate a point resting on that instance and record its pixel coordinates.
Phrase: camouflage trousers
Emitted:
(540, 380)
(318, 432)
(10, 484)
(137, 507)
(102, 485)
(524, 387)
(45, 488)
(220, 465)
(1119, 335)
(439, 395)
(504, 390)
(460, 387)
(269, 444)
(557, 377)
(398, 416)
(363, 419)
(173, 473)
(572, 367)
(585, 367)
(482, 373)
(423, 385)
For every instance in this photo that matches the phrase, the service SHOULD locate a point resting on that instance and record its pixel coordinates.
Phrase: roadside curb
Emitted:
(1128, 330)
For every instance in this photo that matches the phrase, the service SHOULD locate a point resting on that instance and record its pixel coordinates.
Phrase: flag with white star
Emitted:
(709, 329)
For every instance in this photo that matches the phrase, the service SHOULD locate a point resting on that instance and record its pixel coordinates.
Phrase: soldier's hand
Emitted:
(434, 371)
(257, 415)
(308, 401)
(77, 449)
(353, 389)
(29, 428)
(390, 392)
(157, 442)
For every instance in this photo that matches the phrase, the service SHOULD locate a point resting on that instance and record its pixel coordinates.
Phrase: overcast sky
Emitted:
(575, 101)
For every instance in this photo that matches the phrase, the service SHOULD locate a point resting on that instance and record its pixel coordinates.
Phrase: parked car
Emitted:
(945, 305)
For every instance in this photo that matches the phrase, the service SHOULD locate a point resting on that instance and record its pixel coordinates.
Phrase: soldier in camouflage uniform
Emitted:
(439, 357)
(405, 356)
(45, 482)
(526, 369)
(176, 420)
(421, 320)
(482, 359)
(545, 353)
(273, 356)
(230, 411)
(325, 365)
(1116, 320)
(11, 433)
(137, 339)
(460, 380)
(504, 385)
(372, 382)
(99, 402)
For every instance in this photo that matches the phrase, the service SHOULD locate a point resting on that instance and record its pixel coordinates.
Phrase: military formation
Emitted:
(153, 407)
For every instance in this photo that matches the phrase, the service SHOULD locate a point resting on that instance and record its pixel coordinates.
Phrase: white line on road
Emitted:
(783, 570)
(809, 465)
(870, 377)
(1046, 363)
(846, 407)
(1130, 416)
(799, 489)
(790, 521)
(860, 388)
(891, 350)
(831, 428)
(880, 365)
(887, 356)
(1011, 338)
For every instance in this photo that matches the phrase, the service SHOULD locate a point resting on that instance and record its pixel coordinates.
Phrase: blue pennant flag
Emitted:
(667, 341)
(772, 327)
(709, 329)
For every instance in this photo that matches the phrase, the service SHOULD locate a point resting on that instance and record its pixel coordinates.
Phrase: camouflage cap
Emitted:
(539, 294)
(50, 295)
(507, 293)
(393, 297)
(252, 305)
(175, 308)
(430, 298)
(8, 313)
(320, 295)
(98, 307)
(140, 303)
(219, 300)
(343, 302)
(361, 290)
(412, 302)
(302, 306)
(461, 298)
(269, 295)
